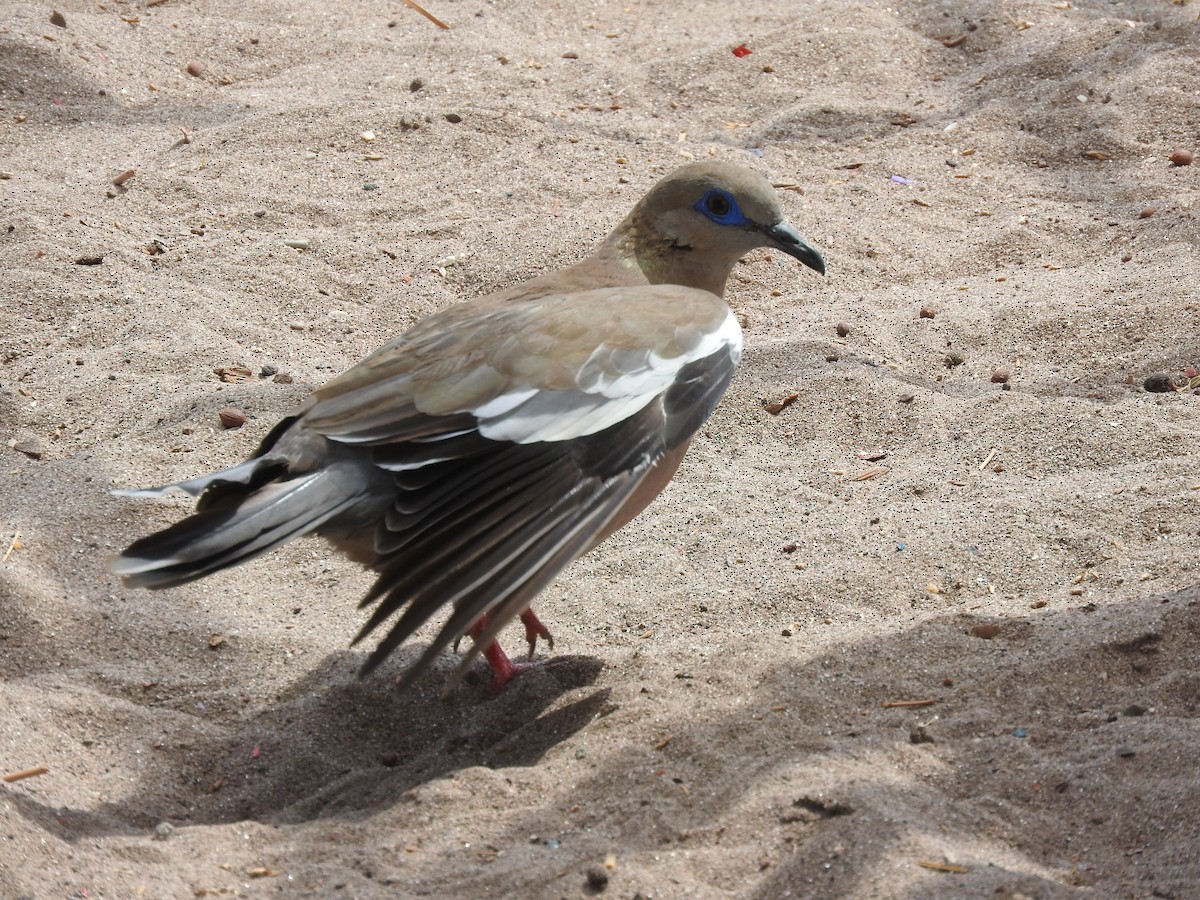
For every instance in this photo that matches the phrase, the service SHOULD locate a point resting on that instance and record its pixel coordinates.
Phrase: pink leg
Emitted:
(534, 629)
(503, 669)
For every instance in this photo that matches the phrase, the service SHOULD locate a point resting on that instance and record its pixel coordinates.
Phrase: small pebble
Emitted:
(597, 878)
(570, 54)
(57, 18)
(1147, 212)
(954, 358)
(1158, 383)
(163, 830)
(415, 85)
(842, 329)
(296, 243)
(1181, 157)
(918, 735)
(31, 448)
(195, 69)
(987, 631)
(389, 758)
(232, 418)
(453, 118)
(927, 312)
(1134, 709)
(91, 259)
(1001, 376)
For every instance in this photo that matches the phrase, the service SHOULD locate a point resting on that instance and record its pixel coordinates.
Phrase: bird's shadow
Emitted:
(334, 745)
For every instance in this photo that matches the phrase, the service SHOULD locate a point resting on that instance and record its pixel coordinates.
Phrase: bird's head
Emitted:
(695, 224)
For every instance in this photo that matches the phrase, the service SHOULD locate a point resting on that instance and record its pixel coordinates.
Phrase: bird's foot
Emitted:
(503, 669)
(534, 629)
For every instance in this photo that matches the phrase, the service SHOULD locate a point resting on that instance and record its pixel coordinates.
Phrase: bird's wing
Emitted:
(517, 434)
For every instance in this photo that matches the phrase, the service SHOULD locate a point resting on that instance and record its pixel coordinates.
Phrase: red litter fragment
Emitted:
(741, 50)
(254, 754)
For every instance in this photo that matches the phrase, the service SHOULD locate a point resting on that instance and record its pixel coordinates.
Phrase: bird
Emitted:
(469, 460)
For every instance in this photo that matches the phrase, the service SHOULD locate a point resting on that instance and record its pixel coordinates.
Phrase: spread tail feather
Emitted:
(244, 512)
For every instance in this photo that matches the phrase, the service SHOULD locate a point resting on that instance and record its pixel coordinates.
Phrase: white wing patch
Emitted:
(614, 384)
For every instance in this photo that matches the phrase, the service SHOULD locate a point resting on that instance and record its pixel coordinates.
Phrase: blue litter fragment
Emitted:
(900, 548)
(1020, 732)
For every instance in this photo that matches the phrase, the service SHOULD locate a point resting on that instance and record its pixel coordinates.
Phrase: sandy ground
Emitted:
(719, 718)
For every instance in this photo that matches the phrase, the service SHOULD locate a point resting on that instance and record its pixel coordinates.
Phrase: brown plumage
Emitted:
(474, 456)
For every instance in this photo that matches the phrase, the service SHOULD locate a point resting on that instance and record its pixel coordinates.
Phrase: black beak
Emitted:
(784, 237)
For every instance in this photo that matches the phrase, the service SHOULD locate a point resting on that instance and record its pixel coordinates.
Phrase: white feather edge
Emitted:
(532, 416)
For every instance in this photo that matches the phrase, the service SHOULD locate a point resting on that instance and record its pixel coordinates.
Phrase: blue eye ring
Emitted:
(721, 207)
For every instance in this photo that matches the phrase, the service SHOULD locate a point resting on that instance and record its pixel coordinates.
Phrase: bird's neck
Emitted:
(659, 259)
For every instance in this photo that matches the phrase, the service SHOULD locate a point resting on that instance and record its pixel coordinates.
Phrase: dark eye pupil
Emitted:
(718, 205)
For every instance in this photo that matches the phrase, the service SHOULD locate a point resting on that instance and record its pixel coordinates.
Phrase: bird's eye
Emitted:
(721, 208)
(717, 204)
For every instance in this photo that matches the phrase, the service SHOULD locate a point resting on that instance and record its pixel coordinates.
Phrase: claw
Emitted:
(534, 629)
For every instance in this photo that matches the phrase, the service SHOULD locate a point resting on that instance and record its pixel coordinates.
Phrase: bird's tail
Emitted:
(243, 512)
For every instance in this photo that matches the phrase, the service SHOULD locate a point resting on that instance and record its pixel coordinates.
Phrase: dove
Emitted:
(472, 458)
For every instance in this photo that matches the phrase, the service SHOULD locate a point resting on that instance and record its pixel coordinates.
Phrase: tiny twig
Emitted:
(430, 16)
(25, 773)
(990, 457)
(907, 704)
(11, 546)
(942, 867)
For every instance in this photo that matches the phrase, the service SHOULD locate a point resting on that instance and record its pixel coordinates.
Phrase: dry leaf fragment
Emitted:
(778, 406)
(234, 374)
(871, 473)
